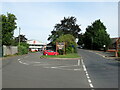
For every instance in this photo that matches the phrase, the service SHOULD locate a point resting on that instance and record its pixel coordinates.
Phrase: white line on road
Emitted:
(78, 62)
(91, 85)
(23, 63)
(87, 75)
(18, 59)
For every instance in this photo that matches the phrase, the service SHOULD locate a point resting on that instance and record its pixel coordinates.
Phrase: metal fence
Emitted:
(9, 50)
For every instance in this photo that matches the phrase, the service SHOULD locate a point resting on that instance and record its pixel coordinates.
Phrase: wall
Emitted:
(10, 50)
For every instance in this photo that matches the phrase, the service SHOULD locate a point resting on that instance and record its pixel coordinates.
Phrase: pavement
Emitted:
(90, 71)
(107, 55)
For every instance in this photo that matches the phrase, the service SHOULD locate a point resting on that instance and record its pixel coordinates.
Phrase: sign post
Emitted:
(61, 46)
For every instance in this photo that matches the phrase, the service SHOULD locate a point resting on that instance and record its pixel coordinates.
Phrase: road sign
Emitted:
(61, 46)
(73, 46)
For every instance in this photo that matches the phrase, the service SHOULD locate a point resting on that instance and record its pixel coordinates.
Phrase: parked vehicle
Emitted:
(50, 52)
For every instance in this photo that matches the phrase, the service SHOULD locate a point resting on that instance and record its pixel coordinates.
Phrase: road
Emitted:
(103, 72)
(30, 71)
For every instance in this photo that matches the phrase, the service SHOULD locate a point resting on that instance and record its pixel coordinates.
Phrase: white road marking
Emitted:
(18, 59)
(23, 63)
(63, 68)
(87, 75)
(89, 80)
(91, 85)
(77, 69)
(78, 62)
(20, 62)
(53, 67)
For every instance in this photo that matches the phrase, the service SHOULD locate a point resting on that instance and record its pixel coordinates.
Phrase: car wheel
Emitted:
(46, 54)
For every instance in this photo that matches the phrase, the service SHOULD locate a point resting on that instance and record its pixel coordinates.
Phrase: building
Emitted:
(35, 45)
(115, 43)
(115, 46)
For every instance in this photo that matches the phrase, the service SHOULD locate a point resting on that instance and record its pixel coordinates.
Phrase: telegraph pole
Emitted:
(19, 35)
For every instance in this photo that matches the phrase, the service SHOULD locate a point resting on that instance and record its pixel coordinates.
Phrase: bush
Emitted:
(60, 52)
(23, 48)
(70, 44)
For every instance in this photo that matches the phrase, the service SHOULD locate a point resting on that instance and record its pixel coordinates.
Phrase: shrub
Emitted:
(69, 41)
(23, 48)
(60, 52)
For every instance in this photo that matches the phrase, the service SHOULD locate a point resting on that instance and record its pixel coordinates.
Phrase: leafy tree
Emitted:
(70, 41)
(80, 39)
(8, 27)
(0, 31)
(67, 26)
(96, 36)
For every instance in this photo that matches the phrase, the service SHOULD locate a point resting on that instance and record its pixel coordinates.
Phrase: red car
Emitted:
(50, 52)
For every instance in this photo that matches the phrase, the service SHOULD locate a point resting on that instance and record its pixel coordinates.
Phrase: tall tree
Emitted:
(67, 26)
(8, 26)
(96, 36)
(0, 31)
(80, 39)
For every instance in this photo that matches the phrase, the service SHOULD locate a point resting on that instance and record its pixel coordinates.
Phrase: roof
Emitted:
(35, 42)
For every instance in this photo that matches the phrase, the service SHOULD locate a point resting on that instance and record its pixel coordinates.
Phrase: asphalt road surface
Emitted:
(30, 71)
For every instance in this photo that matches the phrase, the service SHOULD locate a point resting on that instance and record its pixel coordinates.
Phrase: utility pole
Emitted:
(19, 35)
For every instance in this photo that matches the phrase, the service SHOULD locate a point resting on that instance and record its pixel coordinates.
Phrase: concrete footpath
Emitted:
(107, 55)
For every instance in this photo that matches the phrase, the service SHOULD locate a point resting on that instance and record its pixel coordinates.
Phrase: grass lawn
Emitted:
(72, 55)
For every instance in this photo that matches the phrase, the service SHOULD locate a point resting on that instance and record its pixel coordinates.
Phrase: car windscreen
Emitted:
(50, 51)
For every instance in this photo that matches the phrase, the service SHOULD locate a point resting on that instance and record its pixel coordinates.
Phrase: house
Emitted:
(115, 45)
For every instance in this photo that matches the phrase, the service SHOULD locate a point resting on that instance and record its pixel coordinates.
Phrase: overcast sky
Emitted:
(37, 19)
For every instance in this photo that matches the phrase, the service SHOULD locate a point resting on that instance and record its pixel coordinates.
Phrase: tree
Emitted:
(0, 31)
(69, 40)
(96, 36)
(67, 26)
(80, 39)
(8, 27)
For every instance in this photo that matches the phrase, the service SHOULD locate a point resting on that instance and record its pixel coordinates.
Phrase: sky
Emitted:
(37, 19)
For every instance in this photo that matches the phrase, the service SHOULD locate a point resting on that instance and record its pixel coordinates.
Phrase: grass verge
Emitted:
(72, 55)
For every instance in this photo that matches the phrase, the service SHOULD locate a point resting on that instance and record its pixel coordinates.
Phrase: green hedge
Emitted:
(22, 50)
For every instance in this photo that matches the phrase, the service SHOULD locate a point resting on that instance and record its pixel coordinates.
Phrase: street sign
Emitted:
(61, 46)
(73, 46)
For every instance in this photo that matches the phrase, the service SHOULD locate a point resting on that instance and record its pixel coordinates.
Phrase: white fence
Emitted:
(10, 50)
